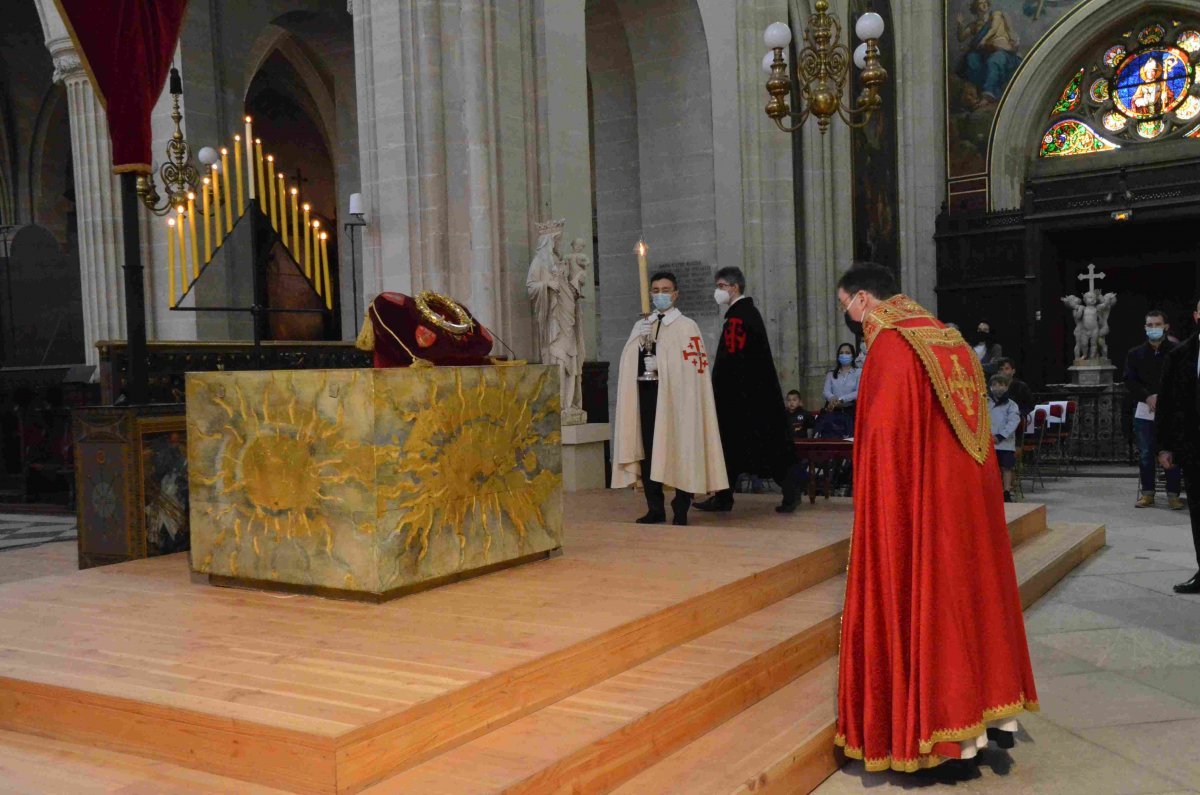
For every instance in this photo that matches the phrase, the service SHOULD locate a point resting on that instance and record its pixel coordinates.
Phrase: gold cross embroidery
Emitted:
(962, 386)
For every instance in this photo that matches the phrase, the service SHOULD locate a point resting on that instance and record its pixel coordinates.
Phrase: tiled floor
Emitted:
(24, 530)
(1117, 658)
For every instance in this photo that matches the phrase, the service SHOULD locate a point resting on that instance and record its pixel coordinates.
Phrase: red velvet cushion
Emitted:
(397, 323)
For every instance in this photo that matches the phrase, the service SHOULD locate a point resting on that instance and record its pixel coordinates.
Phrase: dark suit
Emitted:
(1177, 422)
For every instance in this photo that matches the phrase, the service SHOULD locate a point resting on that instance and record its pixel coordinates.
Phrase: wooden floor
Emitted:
(583, 673)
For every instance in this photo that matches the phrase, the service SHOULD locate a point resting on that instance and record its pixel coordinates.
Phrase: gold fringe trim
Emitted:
(366, 337)
(927, 759)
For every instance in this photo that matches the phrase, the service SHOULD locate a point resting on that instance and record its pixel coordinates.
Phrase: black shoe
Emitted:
(715, 503)
(1003, 740)
(786, 507)
(653, 518)
(680, 520)
(1008, 496)
(1191, 586)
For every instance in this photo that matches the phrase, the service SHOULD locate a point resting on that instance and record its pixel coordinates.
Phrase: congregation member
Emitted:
(934, 660)
(1143, 374)
(750, 410)
(986, 348)
(841, 394)
(1006, 419)
(1018, 390)
(665, 430)
(1177, 422)
(800, 422)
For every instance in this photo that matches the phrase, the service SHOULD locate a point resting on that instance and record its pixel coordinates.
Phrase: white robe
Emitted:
(687, 443)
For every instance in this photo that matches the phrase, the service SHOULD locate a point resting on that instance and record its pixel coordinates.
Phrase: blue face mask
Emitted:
(662, 301)
(845, 359)
(1155, 334)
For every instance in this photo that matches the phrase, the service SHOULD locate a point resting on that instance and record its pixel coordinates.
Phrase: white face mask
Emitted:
(722, 297)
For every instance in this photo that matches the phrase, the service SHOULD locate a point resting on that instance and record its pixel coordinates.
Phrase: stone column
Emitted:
(447, 208)
(97, 203)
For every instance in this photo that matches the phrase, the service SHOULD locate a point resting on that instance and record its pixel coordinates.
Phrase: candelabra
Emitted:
(822, 68)
(178, 175)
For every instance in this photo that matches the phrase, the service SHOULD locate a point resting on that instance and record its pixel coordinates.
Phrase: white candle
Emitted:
(250, 157)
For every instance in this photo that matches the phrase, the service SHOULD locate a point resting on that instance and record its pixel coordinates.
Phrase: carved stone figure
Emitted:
(555, 286)
(1091, 313)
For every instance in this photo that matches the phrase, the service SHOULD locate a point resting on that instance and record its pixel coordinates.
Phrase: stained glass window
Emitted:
(1140, 88)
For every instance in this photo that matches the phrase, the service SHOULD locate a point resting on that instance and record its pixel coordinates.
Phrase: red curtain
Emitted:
(126, 46)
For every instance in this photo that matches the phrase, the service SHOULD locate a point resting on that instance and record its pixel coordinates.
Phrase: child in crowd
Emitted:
(1006, 419)
(799, 419)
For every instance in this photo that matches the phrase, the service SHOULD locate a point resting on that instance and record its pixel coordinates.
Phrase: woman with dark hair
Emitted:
(841, 394)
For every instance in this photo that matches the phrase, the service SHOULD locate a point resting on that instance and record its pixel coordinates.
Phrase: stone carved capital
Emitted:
(67, 65)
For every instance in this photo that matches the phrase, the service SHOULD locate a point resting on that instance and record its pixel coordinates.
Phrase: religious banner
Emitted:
(874, 162)
(126, 47)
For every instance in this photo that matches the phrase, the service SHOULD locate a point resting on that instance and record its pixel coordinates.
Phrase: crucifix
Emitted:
(299, 179)
(1091, 277)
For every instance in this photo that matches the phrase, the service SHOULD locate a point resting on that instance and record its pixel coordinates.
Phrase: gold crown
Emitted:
(550, 227)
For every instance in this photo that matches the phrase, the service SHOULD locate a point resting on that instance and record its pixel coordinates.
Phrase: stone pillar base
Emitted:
(583, 456)
(1092, 373)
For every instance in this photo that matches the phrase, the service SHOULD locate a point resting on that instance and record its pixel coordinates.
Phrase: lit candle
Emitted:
(237, 165)
(271, 198)
(643, 277)
(295, 224)
(182, 249)
(225, 190)
(204, 189)
(216, 205)
(283, 226)
(262, 188)
(307, 242)
(171, 261)
(325, 271)
(195, 247)
(250, 157)
(316, 237)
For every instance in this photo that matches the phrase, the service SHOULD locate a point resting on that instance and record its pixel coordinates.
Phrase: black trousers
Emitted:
(1191, 478)
(655, 499)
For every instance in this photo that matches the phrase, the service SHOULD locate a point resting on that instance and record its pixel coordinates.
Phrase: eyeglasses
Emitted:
(723, 285)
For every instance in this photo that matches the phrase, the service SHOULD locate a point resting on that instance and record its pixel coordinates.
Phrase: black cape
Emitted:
(750, 410)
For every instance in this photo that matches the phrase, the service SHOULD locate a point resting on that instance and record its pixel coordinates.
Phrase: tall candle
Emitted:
(171, 261)
(195, 247)
(262, 188)
(271, 188)
(182, 248)
(316, 234)
(643, 277)
(206, 220)
(216, 186)
(237, 165)
(307, 242)
(295, 224)
(228, 193)
(250, 157)
(283, 225)
(325, 271)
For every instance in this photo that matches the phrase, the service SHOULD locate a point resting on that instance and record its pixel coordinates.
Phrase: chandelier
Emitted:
(822, 68)
(180, 178)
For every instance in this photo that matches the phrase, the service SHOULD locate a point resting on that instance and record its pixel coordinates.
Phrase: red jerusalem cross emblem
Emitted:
(695, 354)
(735, 335)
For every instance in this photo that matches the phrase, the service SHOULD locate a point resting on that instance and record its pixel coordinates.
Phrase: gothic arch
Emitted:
(1041, 75)
(52, 120)
(312, 78)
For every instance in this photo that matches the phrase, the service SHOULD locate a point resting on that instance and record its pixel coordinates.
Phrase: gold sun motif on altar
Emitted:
(469, 462)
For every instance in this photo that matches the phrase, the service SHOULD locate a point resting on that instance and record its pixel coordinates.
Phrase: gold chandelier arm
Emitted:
(801, 117)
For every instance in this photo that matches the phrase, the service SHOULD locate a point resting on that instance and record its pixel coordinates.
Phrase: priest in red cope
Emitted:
(934, 660)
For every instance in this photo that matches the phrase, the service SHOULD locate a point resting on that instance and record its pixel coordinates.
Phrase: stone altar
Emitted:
(370, 484)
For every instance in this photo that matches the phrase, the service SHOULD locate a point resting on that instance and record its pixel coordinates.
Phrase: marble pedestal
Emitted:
(583, 456)
(1092, 373)
(372, 483)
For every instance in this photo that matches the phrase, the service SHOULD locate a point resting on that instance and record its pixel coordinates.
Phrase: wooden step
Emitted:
(784, 743)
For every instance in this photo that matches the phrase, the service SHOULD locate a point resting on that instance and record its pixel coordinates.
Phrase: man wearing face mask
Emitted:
(750, 411)
(1178, 430)
(665, 431)
(934, 661)
(1143, 373)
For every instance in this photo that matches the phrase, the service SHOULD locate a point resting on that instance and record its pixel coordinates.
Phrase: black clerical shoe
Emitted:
(715, 503)
(680, 520)
(1002, 739)
(653, 518)
(1191, 586)
(786, 507)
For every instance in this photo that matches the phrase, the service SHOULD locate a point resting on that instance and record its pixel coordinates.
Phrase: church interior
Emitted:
(305, 467)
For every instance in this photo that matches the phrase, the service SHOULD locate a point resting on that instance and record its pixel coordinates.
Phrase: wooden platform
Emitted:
(644, 660)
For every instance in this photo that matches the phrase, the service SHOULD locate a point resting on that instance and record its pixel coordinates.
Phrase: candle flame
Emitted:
(316, 224)
(224, 151)
(307, 206)
(237, 138)
(295, 191)
(641, 248)
(171, 222)
(280, 176)
(258, 140)
(206, 180)
(270, 158)
(179, 209)
(191, 196)
(248, 120)
(324, 235)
